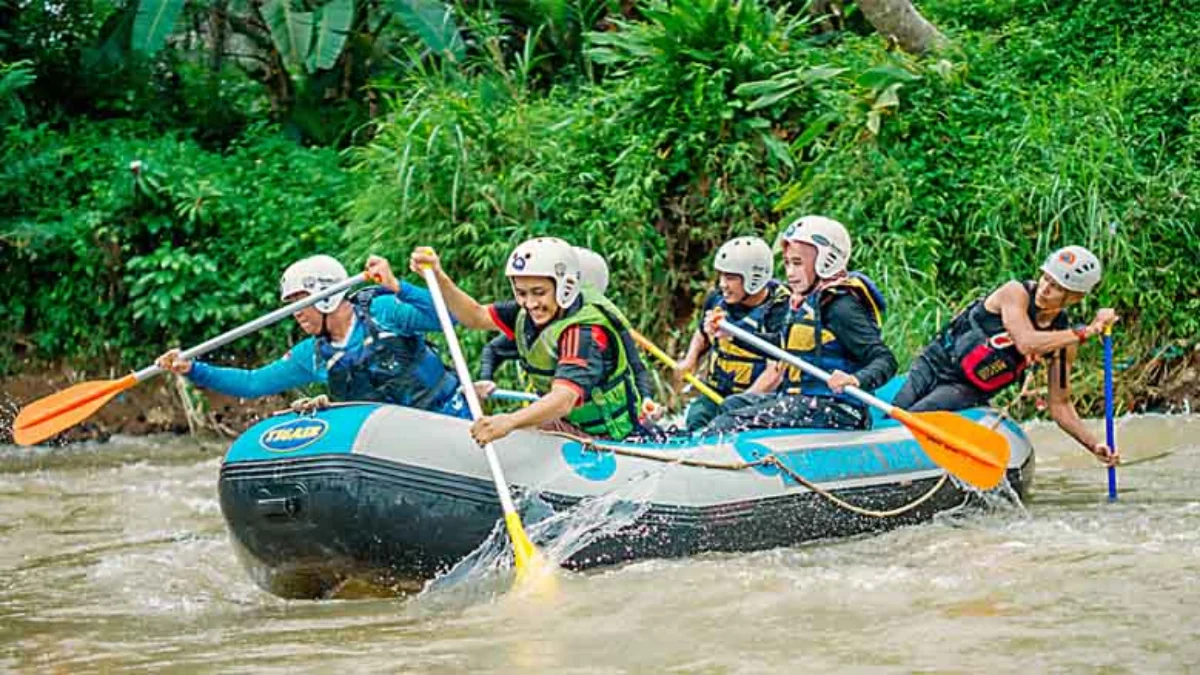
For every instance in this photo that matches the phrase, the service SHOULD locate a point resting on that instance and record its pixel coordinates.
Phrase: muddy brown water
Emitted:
(115, 558)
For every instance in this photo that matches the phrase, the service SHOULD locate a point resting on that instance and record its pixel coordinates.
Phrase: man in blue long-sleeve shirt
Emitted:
(369, 346)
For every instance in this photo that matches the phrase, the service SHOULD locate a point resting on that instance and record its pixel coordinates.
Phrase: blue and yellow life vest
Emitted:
(805, 324)
(389, 368)
(732, 368)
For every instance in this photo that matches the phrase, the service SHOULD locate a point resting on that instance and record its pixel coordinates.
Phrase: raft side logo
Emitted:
(293, 435)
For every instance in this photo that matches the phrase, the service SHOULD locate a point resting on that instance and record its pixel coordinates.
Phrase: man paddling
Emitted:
(367, 346)
(567, 343)
(750, 298)
(988, 346)
(593, 270)
(833, 323)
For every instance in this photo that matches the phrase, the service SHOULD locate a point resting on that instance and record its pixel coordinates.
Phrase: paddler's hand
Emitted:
(1107, 456)
(712, 323)
(682, 367)
(380, 271)
(492, 428)
(484, 388)
(838, 381)
(171, 361)
(1105, 317)
(651, 411)
(424, 257)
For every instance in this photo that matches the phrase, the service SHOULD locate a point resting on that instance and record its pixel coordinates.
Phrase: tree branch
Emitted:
(898, 20)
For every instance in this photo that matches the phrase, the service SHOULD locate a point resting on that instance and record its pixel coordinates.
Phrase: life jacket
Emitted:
(611, 410)
(399, 369)
(610, 310)
(805, 324)
(978, 342)
(733, 368)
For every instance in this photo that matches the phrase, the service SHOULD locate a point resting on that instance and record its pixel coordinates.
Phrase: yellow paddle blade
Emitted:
(968, 450)
(62, 410)
(535, 573)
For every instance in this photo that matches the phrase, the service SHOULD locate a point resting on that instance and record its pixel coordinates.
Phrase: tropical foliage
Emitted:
(650, 131)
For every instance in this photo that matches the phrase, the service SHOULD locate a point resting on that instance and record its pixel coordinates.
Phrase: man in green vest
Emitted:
(566, 341)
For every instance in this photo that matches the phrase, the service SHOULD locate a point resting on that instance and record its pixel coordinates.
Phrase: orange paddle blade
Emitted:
(968, 450)
(60, 411)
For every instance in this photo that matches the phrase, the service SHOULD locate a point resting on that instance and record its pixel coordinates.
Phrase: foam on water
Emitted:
(115, 557)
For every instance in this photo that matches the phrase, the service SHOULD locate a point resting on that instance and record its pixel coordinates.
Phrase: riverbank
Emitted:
(167, 405)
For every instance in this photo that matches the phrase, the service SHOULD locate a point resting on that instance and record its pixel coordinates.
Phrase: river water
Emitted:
(115, 557)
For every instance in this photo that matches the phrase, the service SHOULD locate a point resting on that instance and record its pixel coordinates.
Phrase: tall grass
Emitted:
(710, 118)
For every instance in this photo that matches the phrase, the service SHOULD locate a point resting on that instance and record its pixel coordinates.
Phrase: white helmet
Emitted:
(552, 258)
(593, 269)
(830, 238)
(750, 257)
(1074, 268)
(312, 275)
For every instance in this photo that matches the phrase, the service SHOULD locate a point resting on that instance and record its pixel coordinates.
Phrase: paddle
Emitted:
(659, 354)
(530, 564)
(971, 451)
(62, 410)
(510, 395)
(1109, 430)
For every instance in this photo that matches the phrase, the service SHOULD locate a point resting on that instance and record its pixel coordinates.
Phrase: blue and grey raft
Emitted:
(393, 496)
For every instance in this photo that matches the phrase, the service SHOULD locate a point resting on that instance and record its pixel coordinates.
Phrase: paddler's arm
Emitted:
(1062, 408)
(641, 374)
(295, 369)
(463, 307)
(1013, 302)
(553, 406)
(769, 380)
(695, 352)
(859, 334)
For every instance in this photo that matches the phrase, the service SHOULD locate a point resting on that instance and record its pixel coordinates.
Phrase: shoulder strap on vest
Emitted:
(861, 288)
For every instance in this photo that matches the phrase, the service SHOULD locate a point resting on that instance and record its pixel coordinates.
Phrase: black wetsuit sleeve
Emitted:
(855, 330)
(641, 374)
(495, 353)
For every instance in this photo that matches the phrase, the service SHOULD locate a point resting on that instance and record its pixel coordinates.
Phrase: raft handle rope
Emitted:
(592, 445)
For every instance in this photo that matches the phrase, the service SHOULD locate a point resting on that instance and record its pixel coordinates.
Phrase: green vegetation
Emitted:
(651, 135)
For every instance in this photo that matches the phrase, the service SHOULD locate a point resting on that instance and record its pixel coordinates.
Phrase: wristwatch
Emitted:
(1081, 333)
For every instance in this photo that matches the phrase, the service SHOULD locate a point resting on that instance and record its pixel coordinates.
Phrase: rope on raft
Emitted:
(592, 445)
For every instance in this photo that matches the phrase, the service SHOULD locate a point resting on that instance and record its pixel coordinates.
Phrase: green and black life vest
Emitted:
(611, 410)
(827, 353)
(733, 368)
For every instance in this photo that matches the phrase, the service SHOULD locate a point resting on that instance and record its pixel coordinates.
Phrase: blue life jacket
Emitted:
(733, 368)
(826, 353)
(399, 369)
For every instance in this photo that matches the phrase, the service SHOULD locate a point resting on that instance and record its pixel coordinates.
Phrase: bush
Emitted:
(955, 173)
(109, 262)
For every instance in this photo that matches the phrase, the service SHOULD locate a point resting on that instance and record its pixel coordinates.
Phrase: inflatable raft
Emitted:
(394, 496)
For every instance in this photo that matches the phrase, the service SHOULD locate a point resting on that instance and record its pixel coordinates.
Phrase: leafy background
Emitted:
(649, 131)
